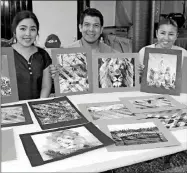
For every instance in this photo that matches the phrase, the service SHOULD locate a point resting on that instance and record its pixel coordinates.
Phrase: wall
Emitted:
(56, 17)
(108, 9)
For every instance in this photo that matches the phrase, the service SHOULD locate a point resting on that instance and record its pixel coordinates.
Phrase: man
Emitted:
(91, 27)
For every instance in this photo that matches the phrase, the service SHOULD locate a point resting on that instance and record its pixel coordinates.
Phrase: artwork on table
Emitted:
(137, 134)
(184, 78)
(151, 103)
(9, 92)
(57, 144)
(56, 112)
(172, 119)
(75, 71)
(8, 147)
(105, 110)
(163, 72)
(115, 72)
(15, 115)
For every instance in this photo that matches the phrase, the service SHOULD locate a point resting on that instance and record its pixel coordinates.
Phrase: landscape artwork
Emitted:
(73, 76)
(56, 112)
(163, 72)
(57, 144)
(137, 134)
(151, 103)
(11, 115)
(105, 110)
(14, 115)
(172, 119)
(115, 72)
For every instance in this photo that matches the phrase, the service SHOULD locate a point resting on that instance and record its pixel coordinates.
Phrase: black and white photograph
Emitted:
(56, 112)
(15, 115)
(52, 145)
(74, 70)
(115, 72)
(133, 134)
(151, 103)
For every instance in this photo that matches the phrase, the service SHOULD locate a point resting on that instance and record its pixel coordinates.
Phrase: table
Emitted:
(94, 161)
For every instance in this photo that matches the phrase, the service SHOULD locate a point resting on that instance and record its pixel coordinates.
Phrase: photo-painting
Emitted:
(73, 76)
(61, 143)
(136, 134)
(10, 115)
(55, 112)
(5, 77)
(172, 119)
(116, 72)
(162, 70)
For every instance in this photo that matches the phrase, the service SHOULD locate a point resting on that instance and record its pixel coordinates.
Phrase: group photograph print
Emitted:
(57, 144)
(15, 115)
(115, 72)
(74, 71)
(56, 112)
(105, 110)
(172, 119)
(152, 103)
(9, 92)
(163, 71)
(134, 134)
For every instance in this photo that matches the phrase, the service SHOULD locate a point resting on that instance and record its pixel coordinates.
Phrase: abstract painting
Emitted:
(48, 146)
(115, 72)
(56, 112)
(105, 110)
(162, 72)
(74, 71)
(151, 103)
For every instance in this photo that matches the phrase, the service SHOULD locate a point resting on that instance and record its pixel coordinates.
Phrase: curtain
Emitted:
(8, 10)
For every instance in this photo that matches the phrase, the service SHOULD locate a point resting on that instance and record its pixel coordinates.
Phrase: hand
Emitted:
(140, 69)
(53, 70)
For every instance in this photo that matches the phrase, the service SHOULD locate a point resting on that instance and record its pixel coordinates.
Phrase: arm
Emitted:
(46, 84)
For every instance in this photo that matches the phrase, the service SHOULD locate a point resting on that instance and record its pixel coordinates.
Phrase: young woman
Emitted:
(166, 34)
(31, 62)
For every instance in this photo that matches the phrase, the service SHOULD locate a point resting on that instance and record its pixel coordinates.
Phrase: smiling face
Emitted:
(91, 29)
(26, 32)
(166, 35)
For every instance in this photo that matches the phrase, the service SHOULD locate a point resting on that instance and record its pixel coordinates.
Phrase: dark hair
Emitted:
(91, 12)
(24, 15)
(168, 21)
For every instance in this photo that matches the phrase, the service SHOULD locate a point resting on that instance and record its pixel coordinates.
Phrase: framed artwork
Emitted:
(57, 144)
(15, 115)
(184, 78)
(105, 110)
(151, 103)
(163, 72)
(137, 134)
(171, 119)
(115, 72)
(56, 113)
(9, 92)
(75, 71)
